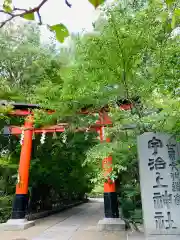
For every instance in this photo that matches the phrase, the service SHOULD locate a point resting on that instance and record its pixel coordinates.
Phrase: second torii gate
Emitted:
(21, 197)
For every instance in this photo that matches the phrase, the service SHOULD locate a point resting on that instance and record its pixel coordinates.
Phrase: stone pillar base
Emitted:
(111, 224)
(16, 224)
(111, 205)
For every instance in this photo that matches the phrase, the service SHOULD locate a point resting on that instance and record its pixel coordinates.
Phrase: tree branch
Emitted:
(124, 80)
(8, 20)
(68, 4)
(40, 19)
(13, 14)
(23, 11)
(19, 9)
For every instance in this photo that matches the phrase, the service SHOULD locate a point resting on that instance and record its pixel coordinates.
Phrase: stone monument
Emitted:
(160, 185)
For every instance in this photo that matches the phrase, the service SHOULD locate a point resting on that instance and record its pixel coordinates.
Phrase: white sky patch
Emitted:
(78, 18)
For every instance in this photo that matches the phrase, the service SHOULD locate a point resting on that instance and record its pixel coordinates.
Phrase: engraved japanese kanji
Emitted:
(161, 200)
(155, 144)
(172, 157)
(157, 164)
(161, 223)
(176, 186)
(177, 199)
(158, 181)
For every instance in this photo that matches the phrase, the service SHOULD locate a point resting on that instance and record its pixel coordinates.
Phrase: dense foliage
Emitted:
(57, 174)
(134, 55)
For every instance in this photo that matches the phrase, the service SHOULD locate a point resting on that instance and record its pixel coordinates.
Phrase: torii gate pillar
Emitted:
(110, 195)
(21, 198)
(111, 222)
(18, 221)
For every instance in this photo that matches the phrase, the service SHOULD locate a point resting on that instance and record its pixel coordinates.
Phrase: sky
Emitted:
(77, 19)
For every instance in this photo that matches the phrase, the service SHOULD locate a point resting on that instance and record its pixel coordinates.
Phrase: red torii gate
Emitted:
(21, 197)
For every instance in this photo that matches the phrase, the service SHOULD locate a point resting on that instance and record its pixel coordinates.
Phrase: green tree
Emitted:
(129, 57)
(57, 174)
(26, 63)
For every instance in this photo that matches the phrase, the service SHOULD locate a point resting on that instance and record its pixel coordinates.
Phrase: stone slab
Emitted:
(111, 224)
(160, 183)
(163, 237)
(96, 235)
(84, 217)
(16, 224)
(141, 236)
(135, 236)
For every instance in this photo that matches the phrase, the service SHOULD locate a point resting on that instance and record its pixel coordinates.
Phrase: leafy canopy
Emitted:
(134, 54)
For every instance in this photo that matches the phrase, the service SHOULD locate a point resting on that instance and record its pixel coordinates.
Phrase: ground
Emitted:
(78, 223)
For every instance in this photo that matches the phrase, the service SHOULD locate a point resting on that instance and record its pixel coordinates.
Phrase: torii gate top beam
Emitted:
(24, 109)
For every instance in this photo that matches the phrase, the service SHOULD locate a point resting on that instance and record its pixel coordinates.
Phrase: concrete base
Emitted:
(111, 224)
(16, 224)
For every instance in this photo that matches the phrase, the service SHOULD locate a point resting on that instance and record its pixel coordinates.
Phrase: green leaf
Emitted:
(169, 2)
(168, 27)
(175, 18)
(7, 6)
(96, 3)
(173, 22)
(177, 12)
(7, 2)
(29, 16)
(163, 16)
(61, 32)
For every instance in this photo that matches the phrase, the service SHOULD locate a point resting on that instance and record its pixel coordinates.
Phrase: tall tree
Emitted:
(128, 58)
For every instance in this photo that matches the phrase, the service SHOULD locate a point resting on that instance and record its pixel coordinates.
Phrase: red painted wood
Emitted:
(26, 112)
(25, 158)
(19, 112)
(109, 186)
(126, 106)
(14, 130)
